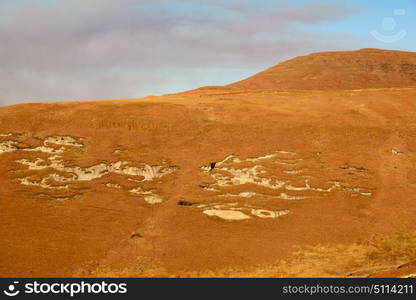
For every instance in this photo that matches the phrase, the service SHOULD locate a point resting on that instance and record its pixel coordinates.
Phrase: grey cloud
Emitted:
(77, 49)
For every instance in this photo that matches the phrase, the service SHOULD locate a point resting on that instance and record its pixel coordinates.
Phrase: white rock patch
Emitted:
(229, 215)
(71, 173)
(45, 149)
(227, 173)
(113, 185)
(307, 187)
(8, 146)
(255, 159)
(148, 196)
(153, 199)
(63, 140)
(289, 197)
(263, 213)
(395, 152)
(242, 195)
(42, 184)
(97, 171)
(245, 176)
(292, 171)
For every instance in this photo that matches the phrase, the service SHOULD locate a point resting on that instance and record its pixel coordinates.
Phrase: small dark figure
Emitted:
(212, 166)
(136, 235)
(185, 203)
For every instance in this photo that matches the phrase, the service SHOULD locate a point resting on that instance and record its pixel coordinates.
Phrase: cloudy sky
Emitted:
(55, 50)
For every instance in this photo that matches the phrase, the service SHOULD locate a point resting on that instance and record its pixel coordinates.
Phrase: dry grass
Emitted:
(360, 259)
(396, 247)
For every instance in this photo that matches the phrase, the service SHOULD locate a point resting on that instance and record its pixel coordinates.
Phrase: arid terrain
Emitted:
(307, 169)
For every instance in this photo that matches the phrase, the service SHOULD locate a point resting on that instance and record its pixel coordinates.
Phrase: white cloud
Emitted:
(77, 49)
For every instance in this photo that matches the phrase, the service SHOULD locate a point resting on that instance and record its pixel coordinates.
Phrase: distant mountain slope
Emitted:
(362, 69)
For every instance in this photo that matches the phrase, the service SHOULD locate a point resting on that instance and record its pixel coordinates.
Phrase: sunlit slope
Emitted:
(205, 184)
(342, 70)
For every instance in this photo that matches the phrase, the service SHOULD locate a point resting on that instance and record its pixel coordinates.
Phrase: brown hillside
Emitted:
(219, 181)
(362, 69)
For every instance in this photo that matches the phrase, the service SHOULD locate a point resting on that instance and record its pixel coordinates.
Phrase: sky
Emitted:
(64, 50)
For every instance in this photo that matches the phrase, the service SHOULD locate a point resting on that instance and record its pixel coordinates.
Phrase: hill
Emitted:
(342, 70)
(216, 182)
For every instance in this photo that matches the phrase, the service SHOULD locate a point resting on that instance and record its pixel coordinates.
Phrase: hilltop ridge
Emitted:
(337, 70)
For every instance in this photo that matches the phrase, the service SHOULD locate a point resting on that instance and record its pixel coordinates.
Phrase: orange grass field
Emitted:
(307, 169)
